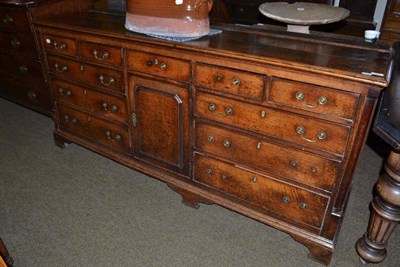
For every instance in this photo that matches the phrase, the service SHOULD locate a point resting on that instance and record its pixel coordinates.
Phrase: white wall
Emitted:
(379, 12)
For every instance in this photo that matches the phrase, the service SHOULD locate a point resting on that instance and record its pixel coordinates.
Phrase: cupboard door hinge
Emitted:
(134, 119)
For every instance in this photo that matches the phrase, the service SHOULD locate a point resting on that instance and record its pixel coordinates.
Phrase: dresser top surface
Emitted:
(344, 58)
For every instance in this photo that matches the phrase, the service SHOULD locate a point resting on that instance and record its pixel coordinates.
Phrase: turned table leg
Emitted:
(385, 213)
(5, 255)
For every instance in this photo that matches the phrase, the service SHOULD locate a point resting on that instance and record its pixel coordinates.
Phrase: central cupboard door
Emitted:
(160, 122)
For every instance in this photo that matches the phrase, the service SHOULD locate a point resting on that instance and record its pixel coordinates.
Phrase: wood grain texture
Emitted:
(21, 57)
(217, 118)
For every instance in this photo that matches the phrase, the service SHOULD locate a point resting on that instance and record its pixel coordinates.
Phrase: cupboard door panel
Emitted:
(160, 120)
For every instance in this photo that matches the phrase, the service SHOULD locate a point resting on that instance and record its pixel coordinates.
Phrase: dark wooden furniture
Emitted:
(5, 258)
(267, 124)
(385, 207)
(246, 12)
(390, 30)
(361, 10)
(22, 78)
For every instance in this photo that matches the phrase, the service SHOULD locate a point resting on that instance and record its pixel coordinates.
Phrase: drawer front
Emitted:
(58, 44)
(22, 67)
(92, 75)
(283, 199)
(282, 160)
(284, 125)
(101, 53)
(36, 95)
(18, 44)
(111, 107)
(168, 67)
(14, 19)
(313, 98)
(94, 128)
(230, 81)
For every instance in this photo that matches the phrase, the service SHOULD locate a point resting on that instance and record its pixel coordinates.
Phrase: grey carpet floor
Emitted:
(72, 207)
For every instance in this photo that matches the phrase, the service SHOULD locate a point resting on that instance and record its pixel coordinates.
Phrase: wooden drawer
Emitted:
(283, 199)
(90, 74)
(22, 67)
(18, 44)
(313, 98)
(111, 107)
(168, 67)
(295, 164)
(101, 53)
(61, 45)
(230, 81)
(284, 125)
(34, 94)
(94, 128)
(14, 19)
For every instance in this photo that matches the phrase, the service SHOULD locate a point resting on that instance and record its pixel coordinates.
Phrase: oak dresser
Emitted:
(22, 77)
(267, 124)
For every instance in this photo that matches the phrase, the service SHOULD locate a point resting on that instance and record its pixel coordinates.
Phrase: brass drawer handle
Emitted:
(211, 139)
(322, 100)
(301, 131)
(226, 143)
(236, 82)
(259, 145)
(7, 19)
(111, 80)
(110, 136)
(63, 46)
(303, 205)
(254, 179)
(213, 108)
(71, 120)
(263, 114)
(229, 111)
(210, 171)
(105, 105)
(286, 199)
(103, 57)
(15, 43)
(23, 69)
(156, 62)
(32, 95)
(163, 66)
(61, 70)
(63, 92)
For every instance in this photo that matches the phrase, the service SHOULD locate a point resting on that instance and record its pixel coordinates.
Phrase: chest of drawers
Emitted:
(22, 78)
(268, 125)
